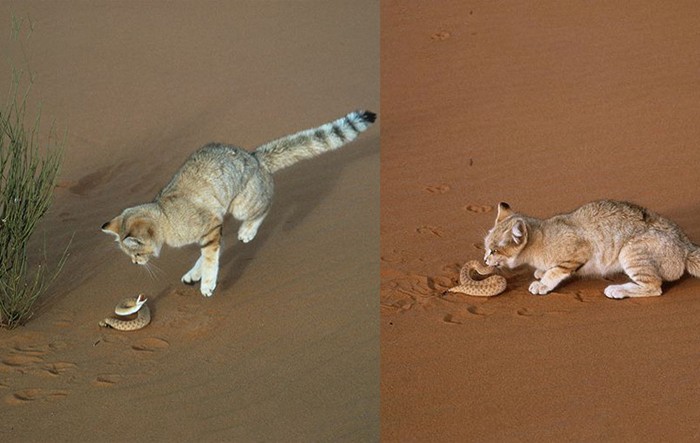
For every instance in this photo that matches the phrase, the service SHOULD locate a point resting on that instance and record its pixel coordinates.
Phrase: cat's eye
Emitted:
(132, 242)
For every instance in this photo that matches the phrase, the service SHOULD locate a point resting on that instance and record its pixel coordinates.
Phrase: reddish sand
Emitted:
(545, 105)
(286, 349)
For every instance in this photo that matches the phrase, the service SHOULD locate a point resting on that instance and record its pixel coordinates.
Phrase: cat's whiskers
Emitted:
(155, 269)
(150, 270)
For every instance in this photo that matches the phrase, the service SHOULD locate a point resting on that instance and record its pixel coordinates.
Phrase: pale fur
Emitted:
(598, 239)
(217, 180)
(487, 287)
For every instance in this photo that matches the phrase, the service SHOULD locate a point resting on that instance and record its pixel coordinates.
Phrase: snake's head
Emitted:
(130, 305)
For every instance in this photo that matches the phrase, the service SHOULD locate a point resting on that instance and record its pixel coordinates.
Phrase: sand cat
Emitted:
(599, 238)
(217, 180)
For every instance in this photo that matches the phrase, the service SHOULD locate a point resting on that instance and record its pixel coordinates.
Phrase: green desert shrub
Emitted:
(28, 173)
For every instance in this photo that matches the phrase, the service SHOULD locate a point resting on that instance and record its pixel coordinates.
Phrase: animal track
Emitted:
(451, 268)
(434, 230)
(30, 359)
(479, 209)
(448, 318)
(106, 380)
(151, 344)
(405, 291)
(33, 394)
(65, 318)
(463, 315)
(442, 283)
(412, 284)
(59, 367)
(440, 36)
(475, 310)
(438, 189)
(525, 312)
(578, 296)
(395, 301)
(18, 361)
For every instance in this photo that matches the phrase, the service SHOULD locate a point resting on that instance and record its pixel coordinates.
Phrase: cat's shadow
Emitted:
(298, 190)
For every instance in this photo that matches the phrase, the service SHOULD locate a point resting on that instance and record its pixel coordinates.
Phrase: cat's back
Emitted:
(214, 164)
(214, 159)
(618, 218)
(612, 211)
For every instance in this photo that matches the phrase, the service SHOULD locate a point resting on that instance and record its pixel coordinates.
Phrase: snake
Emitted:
(487, 287)
(129, 306)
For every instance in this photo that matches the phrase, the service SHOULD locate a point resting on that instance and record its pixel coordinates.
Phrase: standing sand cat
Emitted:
(599, 238)
(216, 180)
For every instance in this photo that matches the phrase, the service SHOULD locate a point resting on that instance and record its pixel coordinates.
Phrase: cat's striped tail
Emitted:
(288, 150)
(692, 262)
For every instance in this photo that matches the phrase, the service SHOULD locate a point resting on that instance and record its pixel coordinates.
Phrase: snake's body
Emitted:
(129, 306)
(487, 287)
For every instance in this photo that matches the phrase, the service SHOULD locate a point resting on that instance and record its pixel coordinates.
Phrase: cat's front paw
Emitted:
(539, 273)
(193, 275)
(190, 278)
(207, 288)
(539, 288)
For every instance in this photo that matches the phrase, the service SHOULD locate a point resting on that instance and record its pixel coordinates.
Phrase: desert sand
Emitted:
(544, 105)
(287, 348)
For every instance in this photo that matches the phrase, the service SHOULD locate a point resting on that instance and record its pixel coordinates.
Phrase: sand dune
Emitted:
(287, 347)
(545, 106)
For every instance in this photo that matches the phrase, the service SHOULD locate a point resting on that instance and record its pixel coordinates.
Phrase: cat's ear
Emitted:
(112, 226)
(518, 232)
(503, 211)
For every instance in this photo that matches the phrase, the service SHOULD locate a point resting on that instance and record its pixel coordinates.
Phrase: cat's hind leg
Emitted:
(638, 263)
(249, 228)
(252, 205)
(632, 290)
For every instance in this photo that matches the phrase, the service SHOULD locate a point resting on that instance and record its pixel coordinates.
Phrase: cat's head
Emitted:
(506, 239)
(136, 235)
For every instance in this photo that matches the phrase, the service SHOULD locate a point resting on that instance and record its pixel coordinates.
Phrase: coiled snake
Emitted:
(128, 306)
(487, 287)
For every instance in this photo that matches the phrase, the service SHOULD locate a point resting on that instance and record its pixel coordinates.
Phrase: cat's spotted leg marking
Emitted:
(249, 228)
(553, 276)
(210, 248)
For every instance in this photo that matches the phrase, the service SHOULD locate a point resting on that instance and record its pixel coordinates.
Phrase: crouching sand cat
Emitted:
(599, 238)
(216, 180)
